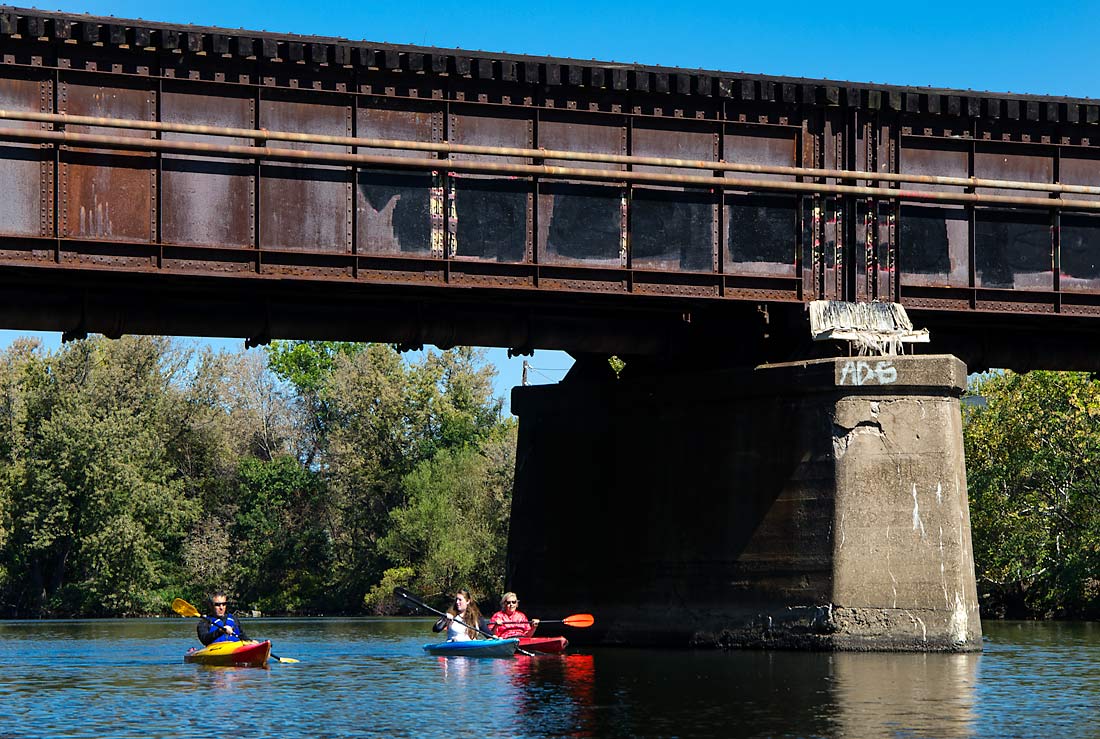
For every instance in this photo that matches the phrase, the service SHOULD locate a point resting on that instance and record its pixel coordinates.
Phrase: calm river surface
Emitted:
(369, 677)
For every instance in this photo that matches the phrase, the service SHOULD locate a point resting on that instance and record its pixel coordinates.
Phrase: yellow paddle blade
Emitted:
(286, 660)
(183, 608)
(579, 620)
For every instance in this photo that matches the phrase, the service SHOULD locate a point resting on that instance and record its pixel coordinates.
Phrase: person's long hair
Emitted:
(472, 617)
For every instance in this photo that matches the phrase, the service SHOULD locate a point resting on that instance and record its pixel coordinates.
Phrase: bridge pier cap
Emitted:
(809, 505)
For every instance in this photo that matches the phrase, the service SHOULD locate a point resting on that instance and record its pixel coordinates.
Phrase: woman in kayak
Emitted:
(460, 617)
(222, 626)
(509, 621)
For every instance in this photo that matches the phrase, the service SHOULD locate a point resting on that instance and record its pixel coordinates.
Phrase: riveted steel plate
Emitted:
(206, 200)
(579, 222)
(935, 238)
(490, 216)
(1079, 235)
(26, 170)
(673, 228)
(1014, 246)
(107, 194)
(393, 206)
(305, 207)
(491, 275)
(761, 228)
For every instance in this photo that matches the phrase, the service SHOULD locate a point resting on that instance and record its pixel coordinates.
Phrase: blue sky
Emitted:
(1040, 48)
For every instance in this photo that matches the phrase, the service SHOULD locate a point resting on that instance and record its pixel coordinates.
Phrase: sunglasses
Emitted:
(216, 605)
(511, 602)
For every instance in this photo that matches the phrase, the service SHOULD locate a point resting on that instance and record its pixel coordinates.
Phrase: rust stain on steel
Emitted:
(579, 222)
(21, 177)
(107, 193)
(761, 229)
(491, 214)
(205, 200)
(936, 237)
(1013, 250)
(1079, 234)
(394, 206)
(672, 228)
(304, 204)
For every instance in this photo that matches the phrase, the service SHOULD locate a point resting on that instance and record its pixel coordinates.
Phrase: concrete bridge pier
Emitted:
(810, 505)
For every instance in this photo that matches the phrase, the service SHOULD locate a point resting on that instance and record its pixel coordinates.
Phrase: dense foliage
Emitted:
(136, 470)
(1033, 471)
(316, 476)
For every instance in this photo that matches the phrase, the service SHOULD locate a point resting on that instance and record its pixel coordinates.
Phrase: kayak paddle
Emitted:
(577, 621)
(185, 609)
(402, 593)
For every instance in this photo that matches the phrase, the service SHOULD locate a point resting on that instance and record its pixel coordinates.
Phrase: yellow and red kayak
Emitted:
(231, 654)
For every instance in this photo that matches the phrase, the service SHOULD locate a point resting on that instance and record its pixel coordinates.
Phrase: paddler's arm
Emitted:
(206, 636)
(442, 623)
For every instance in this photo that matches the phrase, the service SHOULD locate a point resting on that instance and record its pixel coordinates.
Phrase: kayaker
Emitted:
(509, 621)
(459, 617)
(222, 626)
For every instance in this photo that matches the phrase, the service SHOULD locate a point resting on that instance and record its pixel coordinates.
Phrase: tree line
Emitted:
(307, 479)
(313, 477)
(1033, 472)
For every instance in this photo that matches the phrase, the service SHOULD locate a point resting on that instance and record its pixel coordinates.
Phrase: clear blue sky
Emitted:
(1040, 48)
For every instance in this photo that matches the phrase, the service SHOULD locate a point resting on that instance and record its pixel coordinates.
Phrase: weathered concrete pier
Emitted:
(811, 505)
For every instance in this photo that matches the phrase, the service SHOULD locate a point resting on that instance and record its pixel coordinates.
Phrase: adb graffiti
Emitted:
(860, 372)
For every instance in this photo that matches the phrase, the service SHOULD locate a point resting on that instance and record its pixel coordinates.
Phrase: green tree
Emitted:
(453, 530)
(389, 417)
(281, 551)
(136, 470)
(308, 367)
(91, 499)
(1032, 454)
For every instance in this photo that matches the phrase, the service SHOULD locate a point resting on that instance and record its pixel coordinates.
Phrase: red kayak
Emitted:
(231, 654)
(547, 645)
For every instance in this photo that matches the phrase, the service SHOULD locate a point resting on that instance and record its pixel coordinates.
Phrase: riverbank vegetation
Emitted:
(314, 477)
(1033, 472)
(137, 470)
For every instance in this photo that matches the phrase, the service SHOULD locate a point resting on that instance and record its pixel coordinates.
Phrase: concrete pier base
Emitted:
(812, 505)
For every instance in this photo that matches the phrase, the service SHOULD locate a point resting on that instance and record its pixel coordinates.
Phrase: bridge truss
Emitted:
(177, 179)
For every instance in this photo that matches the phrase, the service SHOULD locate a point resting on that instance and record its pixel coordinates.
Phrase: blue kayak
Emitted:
(474, 648)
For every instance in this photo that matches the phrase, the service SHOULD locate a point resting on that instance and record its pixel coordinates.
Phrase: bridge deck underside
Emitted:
(650, 226)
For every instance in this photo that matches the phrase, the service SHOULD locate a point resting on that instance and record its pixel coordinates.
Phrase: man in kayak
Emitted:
(461, 618)
(221, 626)
(509, 621)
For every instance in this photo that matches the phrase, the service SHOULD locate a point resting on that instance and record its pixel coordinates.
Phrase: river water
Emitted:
(370, 677)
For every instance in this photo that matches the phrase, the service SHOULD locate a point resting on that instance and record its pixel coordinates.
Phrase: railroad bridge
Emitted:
(729, 487)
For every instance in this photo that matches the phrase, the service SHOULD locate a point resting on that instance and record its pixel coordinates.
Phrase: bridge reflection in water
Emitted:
(743, 694)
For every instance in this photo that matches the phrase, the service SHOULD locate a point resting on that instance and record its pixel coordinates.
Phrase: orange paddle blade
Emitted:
(579, 620)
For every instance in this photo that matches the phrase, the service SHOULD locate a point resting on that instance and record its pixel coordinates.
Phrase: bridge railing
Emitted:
(216, 179)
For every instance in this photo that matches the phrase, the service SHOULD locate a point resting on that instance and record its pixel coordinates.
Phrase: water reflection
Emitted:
(368, 677)
(554, 694)
(891, 695)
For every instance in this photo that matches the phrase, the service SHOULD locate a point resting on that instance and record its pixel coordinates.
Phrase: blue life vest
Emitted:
(217, 625)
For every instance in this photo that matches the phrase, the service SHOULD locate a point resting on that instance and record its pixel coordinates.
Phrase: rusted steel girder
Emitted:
(541, 153)
(440, 179)
(537, 170)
